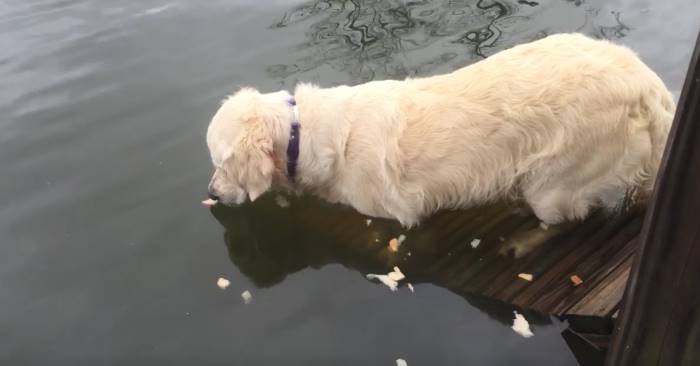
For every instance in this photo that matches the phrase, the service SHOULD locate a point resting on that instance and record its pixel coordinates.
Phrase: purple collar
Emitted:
(293, 146)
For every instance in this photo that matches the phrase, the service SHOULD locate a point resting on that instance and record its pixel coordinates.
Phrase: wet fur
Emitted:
(564, 123)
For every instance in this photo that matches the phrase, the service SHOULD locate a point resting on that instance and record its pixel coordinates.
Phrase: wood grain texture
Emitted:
(660, 319)
(439, 251)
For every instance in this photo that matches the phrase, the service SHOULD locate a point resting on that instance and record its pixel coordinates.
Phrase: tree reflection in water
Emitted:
(395, 39)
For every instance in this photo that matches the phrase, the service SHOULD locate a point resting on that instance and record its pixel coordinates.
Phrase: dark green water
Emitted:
(107, 257)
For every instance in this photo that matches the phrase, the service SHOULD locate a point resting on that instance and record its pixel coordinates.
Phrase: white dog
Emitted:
(562, 123)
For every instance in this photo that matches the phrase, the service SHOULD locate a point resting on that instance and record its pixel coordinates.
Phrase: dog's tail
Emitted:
(661, 109)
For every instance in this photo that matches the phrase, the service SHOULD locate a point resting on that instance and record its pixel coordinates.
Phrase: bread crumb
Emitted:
(410, 287)
(401, 239)
(401, 362)
(521, 326)
(368, 222)
(544, 226)
(394, 245)
(223, 283)
(209, 202)
(384, 279)
(576, 280)
(247, 297)
(525, 276)
(396, 275)
(281, 201)
(475, 243)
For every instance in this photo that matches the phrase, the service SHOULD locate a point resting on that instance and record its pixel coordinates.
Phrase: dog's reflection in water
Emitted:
(267, 243)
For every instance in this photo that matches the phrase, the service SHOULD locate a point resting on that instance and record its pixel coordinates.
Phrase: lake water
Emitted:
(106, 255)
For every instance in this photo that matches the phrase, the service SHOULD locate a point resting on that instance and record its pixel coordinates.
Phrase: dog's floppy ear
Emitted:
(259, 168)
(256, 145)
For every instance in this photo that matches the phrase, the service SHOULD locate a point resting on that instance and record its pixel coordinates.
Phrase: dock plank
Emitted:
(439, 251)
(604, 299)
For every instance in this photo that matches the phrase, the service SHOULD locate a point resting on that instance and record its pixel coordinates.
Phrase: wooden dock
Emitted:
(312, 234)
(599, 251)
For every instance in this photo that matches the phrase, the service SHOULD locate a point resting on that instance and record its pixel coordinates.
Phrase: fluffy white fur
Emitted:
(562, 122)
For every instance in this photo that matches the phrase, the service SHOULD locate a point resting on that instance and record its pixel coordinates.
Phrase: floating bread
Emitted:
(525, 276)
(247, 297)
(209, 202)
(396, 275)
(223, 283)
(521, 326)
(384, 279)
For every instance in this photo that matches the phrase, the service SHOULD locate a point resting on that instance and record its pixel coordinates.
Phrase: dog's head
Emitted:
(240, 137)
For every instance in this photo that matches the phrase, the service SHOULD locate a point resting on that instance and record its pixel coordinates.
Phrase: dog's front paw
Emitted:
(523, 243)
(516, 248)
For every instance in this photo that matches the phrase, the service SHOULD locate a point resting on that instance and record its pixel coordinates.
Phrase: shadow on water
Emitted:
(268, 243)
(394, 39)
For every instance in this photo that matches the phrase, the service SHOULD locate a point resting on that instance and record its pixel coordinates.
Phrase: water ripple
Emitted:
(394, 39)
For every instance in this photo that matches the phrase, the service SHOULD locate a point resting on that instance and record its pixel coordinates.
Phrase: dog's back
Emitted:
(566, 122)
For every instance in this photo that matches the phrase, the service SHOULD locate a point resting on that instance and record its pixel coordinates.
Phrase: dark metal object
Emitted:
(585, 351)
(660, 319)
(588, 338)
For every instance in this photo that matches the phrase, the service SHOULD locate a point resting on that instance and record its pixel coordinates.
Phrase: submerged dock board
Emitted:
(443, 251)
(599, 251)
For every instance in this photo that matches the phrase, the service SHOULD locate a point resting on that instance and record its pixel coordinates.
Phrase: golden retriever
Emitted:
(562, 123)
